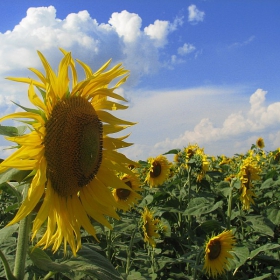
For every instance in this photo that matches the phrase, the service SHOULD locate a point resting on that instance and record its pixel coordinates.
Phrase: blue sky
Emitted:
(203, 72)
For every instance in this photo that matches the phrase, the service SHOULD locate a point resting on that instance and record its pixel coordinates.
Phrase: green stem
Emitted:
(128, 258)
(153, 259)
(189, 200)
(22, 244)
(197, 260)
(229, 207)
(8, 271)
(109, 246)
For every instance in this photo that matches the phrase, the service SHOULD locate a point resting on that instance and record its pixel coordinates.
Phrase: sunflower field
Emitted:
(73, 207)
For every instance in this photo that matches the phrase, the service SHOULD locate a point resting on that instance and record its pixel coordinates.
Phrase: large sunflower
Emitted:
(249, 171)
(126, 198)
(159, 169)
(150, 227)
(70, 150)
(217, 253)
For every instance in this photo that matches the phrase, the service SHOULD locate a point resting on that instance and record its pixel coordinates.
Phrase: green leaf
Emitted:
(172, 152)
(261, 224)
(146, 201)
(7, 268)
(135, 275)
(265, 276)
(225, 188)
(241, 254)
(273, 215)
(270, 183)
(210, 226)
(13, 175)
(12, 131)
(7, 232)
(203, 208)
(266, 247)
(90, 263)
(44, 262)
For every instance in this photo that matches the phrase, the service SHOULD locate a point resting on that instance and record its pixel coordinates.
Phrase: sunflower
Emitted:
(159, 169)
(126, 198)
(260, 143)
(249, 171)
(203, 166)
(69, 148)
(150, 227)
(217, 253)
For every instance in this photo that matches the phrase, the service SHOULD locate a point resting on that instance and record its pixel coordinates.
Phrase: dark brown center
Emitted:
(73, 145)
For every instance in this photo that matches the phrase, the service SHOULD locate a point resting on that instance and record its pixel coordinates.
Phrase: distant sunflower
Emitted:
(204, 164)
(150, 227)
(260, 143)
(217, 253)
(191, 151)
(249, 171)
(126, 198)
(159, 169)
(70, 151)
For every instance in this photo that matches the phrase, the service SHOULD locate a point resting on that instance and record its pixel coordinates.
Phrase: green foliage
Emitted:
(199, 200)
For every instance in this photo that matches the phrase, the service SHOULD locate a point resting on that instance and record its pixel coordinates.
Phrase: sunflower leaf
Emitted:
(90, 263)
(44, 262)
(13, 174)
(263, 248)
(172, 152)
(7, 232)
(12, 131)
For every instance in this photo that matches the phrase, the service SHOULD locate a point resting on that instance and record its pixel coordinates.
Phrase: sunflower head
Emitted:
(159, 169)
(150, 227)
(260, 143)
(249, 171)
(127, 198)
(71, 150)
(217, 253)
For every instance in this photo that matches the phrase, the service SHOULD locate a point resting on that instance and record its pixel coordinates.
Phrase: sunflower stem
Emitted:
(110, 250)
(22, 244)
(197, 260)
(128, 258)
(229, 206)
(189, 200)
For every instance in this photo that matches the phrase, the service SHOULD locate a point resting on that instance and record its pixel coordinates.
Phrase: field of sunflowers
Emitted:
(74, 207)
(197, 217)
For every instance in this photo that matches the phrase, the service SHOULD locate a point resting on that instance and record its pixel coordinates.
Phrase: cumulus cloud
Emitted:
(127, 25)
(221, 120)
(195, 15)
(186, 49)
(159, 30)
(122, 38)
(255, 121)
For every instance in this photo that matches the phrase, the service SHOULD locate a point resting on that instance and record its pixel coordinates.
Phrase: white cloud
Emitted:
(186, 49)
(244, 43)
(121, 39)
(195, 15)
(256, 120)
(219, 119)
(127, 25)
(158, 32)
